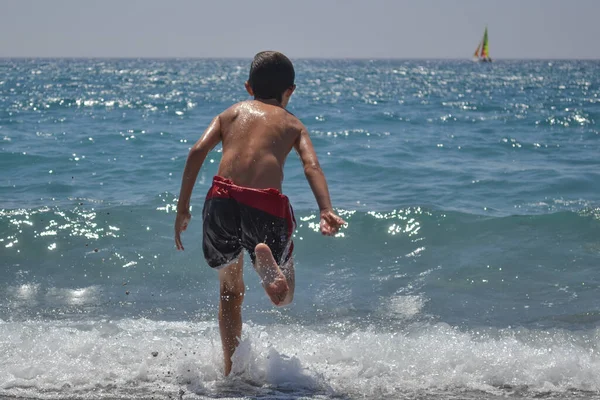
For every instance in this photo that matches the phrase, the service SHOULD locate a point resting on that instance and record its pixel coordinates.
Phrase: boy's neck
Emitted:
(273, 102)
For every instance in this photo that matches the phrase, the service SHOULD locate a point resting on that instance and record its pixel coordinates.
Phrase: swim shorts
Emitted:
(237, 218)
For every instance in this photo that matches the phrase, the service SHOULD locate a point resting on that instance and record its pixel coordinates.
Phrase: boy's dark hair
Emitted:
(271, 74)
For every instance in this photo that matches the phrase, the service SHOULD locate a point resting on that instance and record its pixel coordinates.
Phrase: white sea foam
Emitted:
(138, 358)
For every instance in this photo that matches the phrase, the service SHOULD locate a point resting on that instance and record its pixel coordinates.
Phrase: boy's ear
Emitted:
(249, 88)
(290, 90)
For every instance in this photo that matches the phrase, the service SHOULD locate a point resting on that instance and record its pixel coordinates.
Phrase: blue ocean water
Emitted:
(468, 268)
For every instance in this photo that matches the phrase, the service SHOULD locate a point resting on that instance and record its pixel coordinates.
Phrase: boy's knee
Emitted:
(232, 292)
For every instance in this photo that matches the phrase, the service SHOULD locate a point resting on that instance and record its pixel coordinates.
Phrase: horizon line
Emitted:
(354, 58)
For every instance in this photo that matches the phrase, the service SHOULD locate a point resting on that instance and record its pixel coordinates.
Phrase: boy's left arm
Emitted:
(209, 139)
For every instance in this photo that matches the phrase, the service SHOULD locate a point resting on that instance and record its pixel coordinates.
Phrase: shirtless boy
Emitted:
(244, 208)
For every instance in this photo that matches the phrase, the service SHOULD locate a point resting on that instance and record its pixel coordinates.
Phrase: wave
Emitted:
(94, 223)
(139, 358)
(96, 259)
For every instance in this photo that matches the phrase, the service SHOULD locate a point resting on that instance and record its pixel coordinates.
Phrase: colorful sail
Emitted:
(482, 53)
(485, 51)
(476, 55)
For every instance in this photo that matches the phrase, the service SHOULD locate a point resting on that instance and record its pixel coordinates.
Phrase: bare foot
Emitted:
(273, 280)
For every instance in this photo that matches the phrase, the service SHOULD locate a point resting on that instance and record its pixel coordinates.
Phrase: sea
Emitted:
(469, 267)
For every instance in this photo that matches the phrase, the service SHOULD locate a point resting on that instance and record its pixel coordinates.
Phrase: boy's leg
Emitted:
(277, 282)
(290, 276)
(232, 290)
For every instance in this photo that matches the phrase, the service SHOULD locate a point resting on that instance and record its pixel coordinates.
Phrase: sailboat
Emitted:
(482, 52)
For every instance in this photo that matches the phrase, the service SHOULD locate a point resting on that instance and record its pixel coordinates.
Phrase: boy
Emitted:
(244, 208)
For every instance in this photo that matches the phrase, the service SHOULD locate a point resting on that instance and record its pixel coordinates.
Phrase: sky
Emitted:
(530, 29)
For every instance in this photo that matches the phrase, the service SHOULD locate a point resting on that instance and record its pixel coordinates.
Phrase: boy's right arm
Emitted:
(330, 222)
(196, 157)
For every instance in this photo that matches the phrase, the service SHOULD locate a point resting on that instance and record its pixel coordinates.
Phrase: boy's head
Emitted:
(271, 76)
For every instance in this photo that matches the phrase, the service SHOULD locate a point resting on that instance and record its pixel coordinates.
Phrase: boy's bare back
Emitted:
(257, 137)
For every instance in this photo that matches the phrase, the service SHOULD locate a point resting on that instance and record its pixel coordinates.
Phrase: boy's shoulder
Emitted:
(251, 107)
(235, 110)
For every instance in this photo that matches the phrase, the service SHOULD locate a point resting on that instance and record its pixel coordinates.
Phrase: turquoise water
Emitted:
(468, 268)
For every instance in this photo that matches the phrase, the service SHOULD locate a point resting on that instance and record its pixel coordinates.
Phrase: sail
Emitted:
(482, 53)
(485, 50)
(476, 55)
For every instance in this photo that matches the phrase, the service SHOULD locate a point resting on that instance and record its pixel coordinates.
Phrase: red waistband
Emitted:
(270, 200)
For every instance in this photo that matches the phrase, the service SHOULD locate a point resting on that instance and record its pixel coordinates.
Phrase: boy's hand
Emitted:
(330, 222)
(181, 224)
